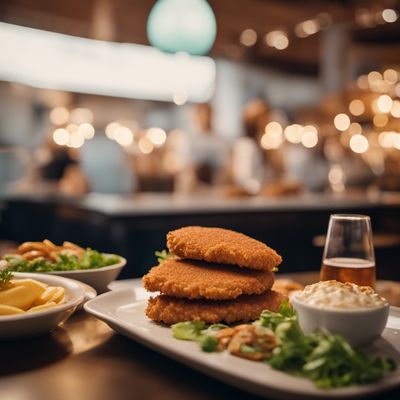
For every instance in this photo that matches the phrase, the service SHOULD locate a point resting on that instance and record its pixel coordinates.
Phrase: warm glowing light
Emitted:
(76, 140)
(397, 90)
(396, 141)
(356, 107)
(359, 144)
(80, 115)
(384, 103)
(341, 122)
(362, 82)
(310, 26)
(86, 130)
(355, 128)
(71, 128)
(59, 115)
(380, 120)
(111, 129)
(277, 39)
(309, 139)
(61, 136)
(271, 141)
(145, 145)
(180, 97)
(389, 15)
(374, 77)
(274, 129)
(157, 136)
(248, 37)
(390, 76)
(386, 139)
(293, 133)
(123, 136)
(395, 111)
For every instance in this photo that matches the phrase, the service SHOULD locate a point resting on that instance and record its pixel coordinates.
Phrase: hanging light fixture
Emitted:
(182, 25)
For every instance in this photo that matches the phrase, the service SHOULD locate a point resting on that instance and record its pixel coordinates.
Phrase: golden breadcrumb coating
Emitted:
(222, 246)
(171, 310)
(197, 279)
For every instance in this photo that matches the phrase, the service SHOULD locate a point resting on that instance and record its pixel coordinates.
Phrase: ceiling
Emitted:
(125, 21)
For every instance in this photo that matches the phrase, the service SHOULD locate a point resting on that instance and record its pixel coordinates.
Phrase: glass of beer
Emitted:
(349, 252)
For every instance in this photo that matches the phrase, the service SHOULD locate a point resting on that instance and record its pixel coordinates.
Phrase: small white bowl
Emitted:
(358, 326)
(98, 278)
(40, 322)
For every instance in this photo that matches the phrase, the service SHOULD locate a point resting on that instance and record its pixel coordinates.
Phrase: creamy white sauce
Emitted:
(334, 294)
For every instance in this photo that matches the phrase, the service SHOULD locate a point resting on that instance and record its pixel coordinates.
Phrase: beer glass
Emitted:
(349, 253)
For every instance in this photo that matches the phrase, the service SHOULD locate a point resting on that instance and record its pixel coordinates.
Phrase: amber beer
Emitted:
(356, 270)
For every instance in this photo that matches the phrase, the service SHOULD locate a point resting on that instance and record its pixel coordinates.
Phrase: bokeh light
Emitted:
(157, 136)
(341, 122)
(359, 144)
(59, 115)
(356, 107)
(61, 136)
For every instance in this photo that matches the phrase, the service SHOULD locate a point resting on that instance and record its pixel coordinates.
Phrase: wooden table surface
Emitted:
(84, 359)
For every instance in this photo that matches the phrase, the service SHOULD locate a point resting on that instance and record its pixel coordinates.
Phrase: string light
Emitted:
(341, 122)
(145, 145)
(61, 136)
(309, 139)
(380, 120)
(86, 130)
(384, 103)
(395, 111)
(80, 115)
(123, 136)
(355, 128)
(59, 115)
(111, 129)
(389, 15)
(293, 133)
(248, 37)
(277, 39)
(157, 136)
(272, 138)
(359, 144)
(356, 107)
(390, 76)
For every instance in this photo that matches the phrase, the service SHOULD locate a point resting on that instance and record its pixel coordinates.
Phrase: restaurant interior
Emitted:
(123, 120)
(267, 117)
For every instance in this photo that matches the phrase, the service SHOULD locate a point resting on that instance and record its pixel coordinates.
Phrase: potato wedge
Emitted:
(51, 294)
(22, 294)
(9, 310)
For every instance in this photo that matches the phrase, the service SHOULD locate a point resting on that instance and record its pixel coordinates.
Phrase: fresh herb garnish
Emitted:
(163, 255)
(5, 277)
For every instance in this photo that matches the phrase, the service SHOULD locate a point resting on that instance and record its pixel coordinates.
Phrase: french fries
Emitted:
(28, 295)
(48, 250)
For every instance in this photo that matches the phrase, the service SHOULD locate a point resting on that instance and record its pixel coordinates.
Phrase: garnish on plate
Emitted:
(46, 256)
(163, 256)
(5, 277)
(276, 338)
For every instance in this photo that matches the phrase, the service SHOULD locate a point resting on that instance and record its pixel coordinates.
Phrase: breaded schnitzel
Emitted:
(197, 279)
(171, 310)
(222, 246)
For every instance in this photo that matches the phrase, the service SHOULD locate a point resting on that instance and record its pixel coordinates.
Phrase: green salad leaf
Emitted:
(163, 255)
(326, 359)
(198, 331)
(65, 262)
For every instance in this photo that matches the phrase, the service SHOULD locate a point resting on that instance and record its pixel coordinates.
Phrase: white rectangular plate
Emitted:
(124, 311)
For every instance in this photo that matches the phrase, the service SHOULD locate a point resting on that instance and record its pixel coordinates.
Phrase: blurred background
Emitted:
(123, 119)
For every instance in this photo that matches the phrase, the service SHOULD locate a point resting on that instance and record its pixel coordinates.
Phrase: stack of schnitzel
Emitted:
(214, 275)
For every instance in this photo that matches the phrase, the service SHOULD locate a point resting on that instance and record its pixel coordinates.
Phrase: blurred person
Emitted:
(197, 157)
(106, 167)
(248, 160)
